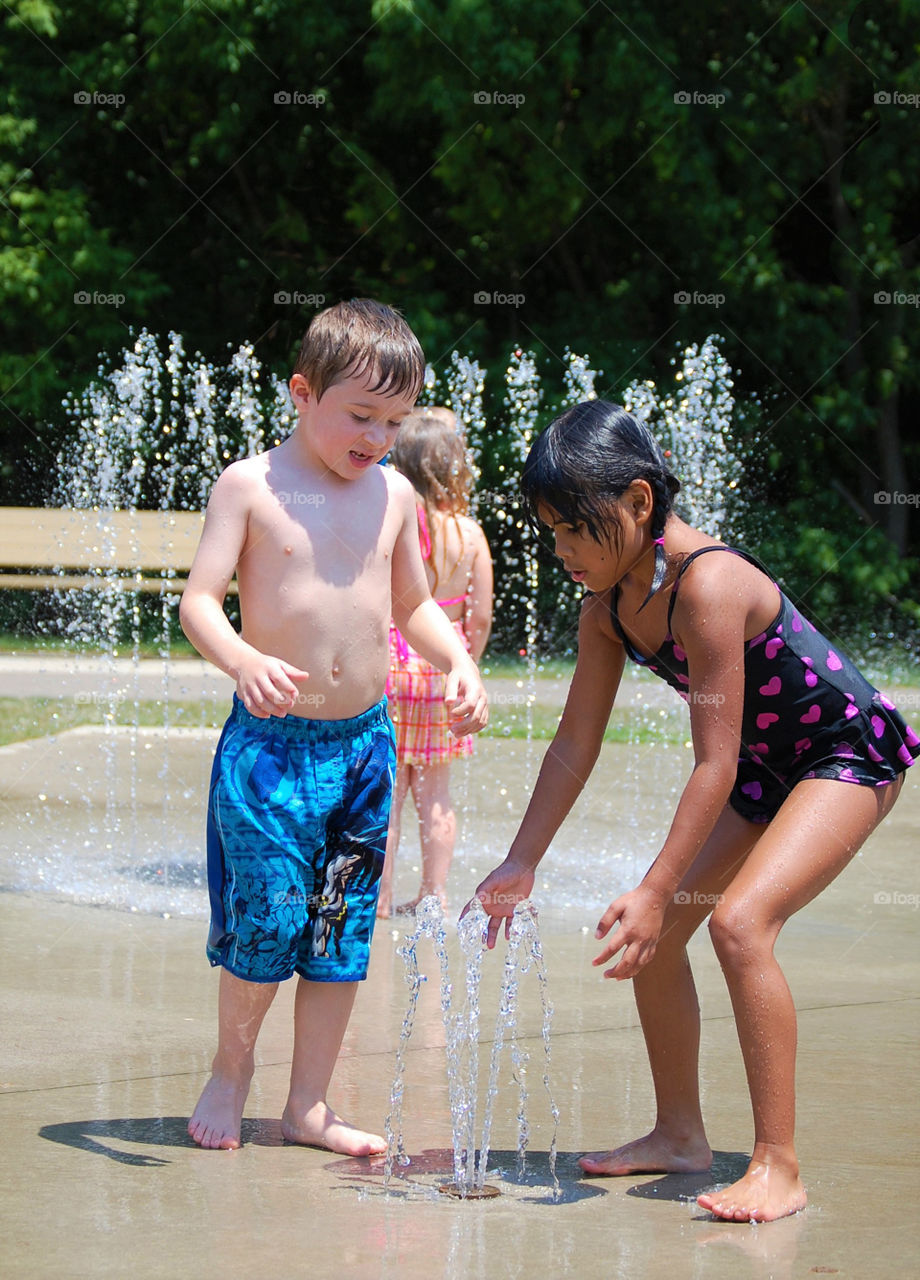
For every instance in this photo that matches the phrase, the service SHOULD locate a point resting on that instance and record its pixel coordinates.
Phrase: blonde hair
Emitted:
(432, 457)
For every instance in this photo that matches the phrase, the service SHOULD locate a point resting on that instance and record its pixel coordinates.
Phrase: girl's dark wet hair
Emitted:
(585, 460)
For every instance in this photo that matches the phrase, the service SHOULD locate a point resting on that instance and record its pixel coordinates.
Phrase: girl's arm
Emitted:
(566, 766)
(477, 621)
(709, 622)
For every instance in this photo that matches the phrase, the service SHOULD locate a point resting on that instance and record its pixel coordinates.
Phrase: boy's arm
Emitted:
(264, 683)
(425, 625)
(477, 622)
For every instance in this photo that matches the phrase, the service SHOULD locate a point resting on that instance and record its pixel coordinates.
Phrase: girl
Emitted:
(430, 453)
(796, 759)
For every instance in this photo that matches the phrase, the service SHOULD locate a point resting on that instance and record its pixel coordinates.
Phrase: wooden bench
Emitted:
(130, 550)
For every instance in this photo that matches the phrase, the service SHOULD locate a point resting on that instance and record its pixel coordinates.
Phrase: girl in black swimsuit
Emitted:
(796, 759)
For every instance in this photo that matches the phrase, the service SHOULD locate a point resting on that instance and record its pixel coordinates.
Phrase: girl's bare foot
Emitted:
(319, 1126)
(407, 908)
(384, 909)
(769, 1190)
(655, 1153)
(215, 1123)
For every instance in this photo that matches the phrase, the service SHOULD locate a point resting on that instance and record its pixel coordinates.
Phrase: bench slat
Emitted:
(47, 538)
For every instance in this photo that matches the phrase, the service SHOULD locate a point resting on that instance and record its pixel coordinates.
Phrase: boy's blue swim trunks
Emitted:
(297, 830)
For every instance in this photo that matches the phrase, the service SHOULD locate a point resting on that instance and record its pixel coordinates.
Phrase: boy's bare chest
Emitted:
(304, 533)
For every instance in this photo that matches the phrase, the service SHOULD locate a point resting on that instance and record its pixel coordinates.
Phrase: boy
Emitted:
(324, 543)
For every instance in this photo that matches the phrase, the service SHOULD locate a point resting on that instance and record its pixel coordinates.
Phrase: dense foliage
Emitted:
(547, 174)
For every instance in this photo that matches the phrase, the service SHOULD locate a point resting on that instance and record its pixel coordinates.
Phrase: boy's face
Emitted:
(351, 428)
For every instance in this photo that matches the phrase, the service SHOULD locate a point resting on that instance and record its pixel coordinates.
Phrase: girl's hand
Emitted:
(640, 914)
(500, 893)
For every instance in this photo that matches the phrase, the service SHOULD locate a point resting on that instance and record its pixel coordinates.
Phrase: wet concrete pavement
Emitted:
(109, 1019)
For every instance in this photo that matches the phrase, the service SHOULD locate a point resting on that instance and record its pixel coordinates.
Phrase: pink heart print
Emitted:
(772, 687)
(833, 662)
(679, 653)
(765, 719)
(878, 726)
(802, 745)
(773, 647)
(753, 789)
(812, 715)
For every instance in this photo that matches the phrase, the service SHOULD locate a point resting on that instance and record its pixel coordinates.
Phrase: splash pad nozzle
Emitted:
(461, 1026)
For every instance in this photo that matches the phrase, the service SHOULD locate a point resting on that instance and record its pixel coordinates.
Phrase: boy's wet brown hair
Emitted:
(360, 338)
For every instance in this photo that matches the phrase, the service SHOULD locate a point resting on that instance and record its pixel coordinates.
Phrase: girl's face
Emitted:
(599, 565)
(593, 563)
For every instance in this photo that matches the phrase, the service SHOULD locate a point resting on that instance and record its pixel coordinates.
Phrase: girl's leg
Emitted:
(670, 1016)
(437, 828)
(815, 834)
(400, 788)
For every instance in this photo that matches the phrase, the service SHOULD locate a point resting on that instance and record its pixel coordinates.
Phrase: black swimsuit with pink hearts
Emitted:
(808, 713)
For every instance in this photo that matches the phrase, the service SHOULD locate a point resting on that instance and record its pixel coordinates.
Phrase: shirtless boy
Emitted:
(325, 547)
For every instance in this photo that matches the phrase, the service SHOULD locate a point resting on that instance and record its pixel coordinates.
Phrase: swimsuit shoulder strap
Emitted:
(735, 551)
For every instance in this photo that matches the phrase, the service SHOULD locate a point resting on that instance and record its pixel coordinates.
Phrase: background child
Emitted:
(796, 759)
(458, 565)
(324, 543)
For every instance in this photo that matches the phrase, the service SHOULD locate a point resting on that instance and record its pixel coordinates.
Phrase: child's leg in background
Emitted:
(437, 826)
(321, 1013)
(241, 1008)
(815, 834)
(670, 1016)
(400, 789)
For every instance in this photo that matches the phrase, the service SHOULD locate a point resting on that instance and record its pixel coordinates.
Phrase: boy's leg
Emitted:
(321, 1013)
(400, 788)
(669, 1013)
(241, 1008)
(815, 834)
(437, 828)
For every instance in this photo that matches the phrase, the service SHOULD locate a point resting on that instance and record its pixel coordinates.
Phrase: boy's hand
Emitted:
(500, 893)
(640, 914)
(467, 702)
(266, 685)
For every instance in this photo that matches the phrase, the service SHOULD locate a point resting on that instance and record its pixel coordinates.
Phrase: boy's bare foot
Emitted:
(407, 908)
(654, 1153)
(766, 1192)
(384, 910)
(321, 1127)
(215, 1123)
